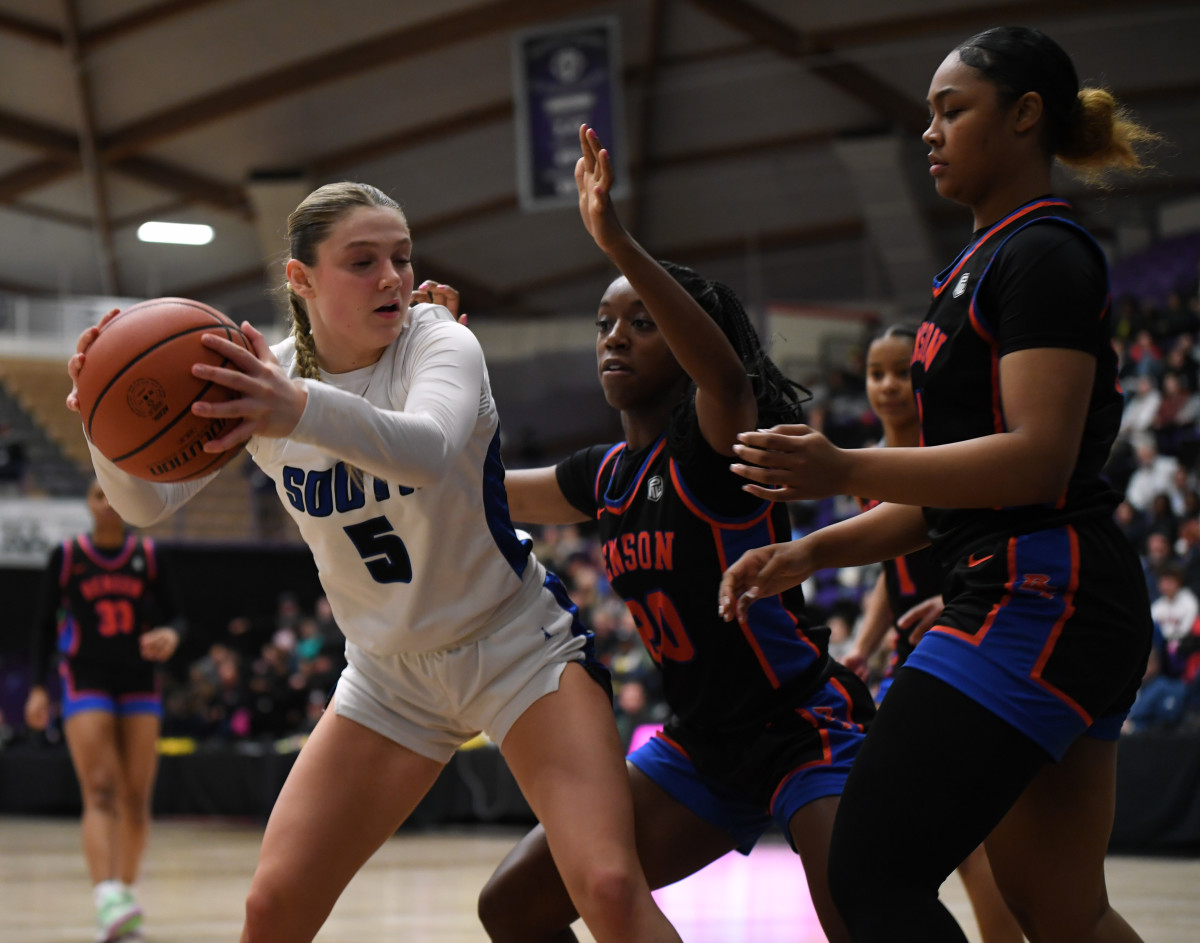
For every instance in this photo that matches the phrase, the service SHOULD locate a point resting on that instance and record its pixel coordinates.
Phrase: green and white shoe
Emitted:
(117, 916)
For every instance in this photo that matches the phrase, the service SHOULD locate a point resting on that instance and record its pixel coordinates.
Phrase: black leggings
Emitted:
(936, 773)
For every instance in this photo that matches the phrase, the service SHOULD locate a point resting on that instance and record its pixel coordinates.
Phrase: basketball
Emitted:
(136, 389)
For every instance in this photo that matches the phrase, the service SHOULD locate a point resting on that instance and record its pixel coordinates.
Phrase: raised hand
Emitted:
(764, 571)
(75, 364)
(269, 402)
(594, 179)
(796, 462)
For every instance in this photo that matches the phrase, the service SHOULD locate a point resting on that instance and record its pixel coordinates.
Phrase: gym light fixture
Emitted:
(183, 234)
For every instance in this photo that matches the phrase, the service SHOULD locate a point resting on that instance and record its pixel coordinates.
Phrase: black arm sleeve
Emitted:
(45, 623)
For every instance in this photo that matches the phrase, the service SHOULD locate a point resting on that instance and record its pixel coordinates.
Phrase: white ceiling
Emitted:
(739, 114)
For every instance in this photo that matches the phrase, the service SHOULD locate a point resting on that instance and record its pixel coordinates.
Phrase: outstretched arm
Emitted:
(414, 445)
(885, 531)
(535, 497)
(725, 401)
(1045, 392)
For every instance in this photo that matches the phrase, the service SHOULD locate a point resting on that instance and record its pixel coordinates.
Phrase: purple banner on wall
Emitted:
(565, 75)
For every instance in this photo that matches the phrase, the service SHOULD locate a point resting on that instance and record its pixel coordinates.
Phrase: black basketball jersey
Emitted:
(1035, 279)
(669, 530)
(909, 579)
(97, 603)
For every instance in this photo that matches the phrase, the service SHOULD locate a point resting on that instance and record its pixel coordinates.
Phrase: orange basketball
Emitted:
(136, 389)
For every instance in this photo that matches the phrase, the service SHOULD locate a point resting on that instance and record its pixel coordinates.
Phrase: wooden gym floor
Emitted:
(421, 888)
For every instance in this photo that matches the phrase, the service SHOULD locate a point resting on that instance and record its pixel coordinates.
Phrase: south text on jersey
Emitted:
(322, 492)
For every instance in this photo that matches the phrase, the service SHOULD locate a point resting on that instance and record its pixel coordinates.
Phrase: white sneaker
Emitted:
(117, 916)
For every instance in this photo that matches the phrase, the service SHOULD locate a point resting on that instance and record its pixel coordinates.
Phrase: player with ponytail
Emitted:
(1002, 724)
(375, 420)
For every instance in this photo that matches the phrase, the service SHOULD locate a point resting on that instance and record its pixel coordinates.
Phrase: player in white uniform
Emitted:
(377, 424)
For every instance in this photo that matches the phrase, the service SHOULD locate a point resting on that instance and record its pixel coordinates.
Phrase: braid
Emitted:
(306, 349)
(309, 226)
(779, 398)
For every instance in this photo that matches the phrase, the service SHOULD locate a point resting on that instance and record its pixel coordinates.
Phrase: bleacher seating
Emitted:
(1169, 265)
(34, 392)
(31, 399)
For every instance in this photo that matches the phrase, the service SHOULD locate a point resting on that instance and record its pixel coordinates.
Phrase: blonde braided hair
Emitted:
(308, 226)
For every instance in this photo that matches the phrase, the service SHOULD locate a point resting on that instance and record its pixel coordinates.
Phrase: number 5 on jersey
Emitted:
(382, 550)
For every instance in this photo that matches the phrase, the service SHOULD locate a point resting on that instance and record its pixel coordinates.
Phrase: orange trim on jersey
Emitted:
(978, 326)
(907, 586)
(609, 456)
(672, 744)
(723, 563)
(1056, 632)
(978, 637)
(744, 624)
(637, 483)
(692, 506)
(151, 558)
(825, 760)
(115, 563)
(1023, 211)
(841, 688)
(988, 338)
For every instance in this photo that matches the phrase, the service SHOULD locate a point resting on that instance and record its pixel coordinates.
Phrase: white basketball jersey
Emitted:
(407, 565)
(418, 553)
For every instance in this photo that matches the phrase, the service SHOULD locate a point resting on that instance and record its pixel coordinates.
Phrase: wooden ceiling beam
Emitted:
(962, 20)
(742, 149)
(139, 20)
(443, 128)
(821, 59)
(508, 203)
(734, 246)
(389, 49)
(93, 173)
(51, 141)
(74, 220)
(194, 187)
(28, 29)
(34, 175)
(157, 211)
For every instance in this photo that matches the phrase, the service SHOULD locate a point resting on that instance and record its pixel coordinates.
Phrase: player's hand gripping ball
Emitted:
(136, 389)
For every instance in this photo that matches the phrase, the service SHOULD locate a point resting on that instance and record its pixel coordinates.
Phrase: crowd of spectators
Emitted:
(1154, 464)
(270, 682)
(258, 682)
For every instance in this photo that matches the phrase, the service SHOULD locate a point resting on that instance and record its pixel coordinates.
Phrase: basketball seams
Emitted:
(182, 414)
(139, 362)
(149, 350)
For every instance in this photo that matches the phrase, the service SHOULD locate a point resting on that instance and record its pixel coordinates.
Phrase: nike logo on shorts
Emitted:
(975, 561)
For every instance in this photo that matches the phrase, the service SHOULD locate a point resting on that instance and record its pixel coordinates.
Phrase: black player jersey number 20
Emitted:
(661, 628)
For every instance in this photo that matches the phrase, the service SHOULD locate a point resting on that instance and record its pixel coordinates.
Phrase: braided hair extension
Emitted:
(779, 398)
